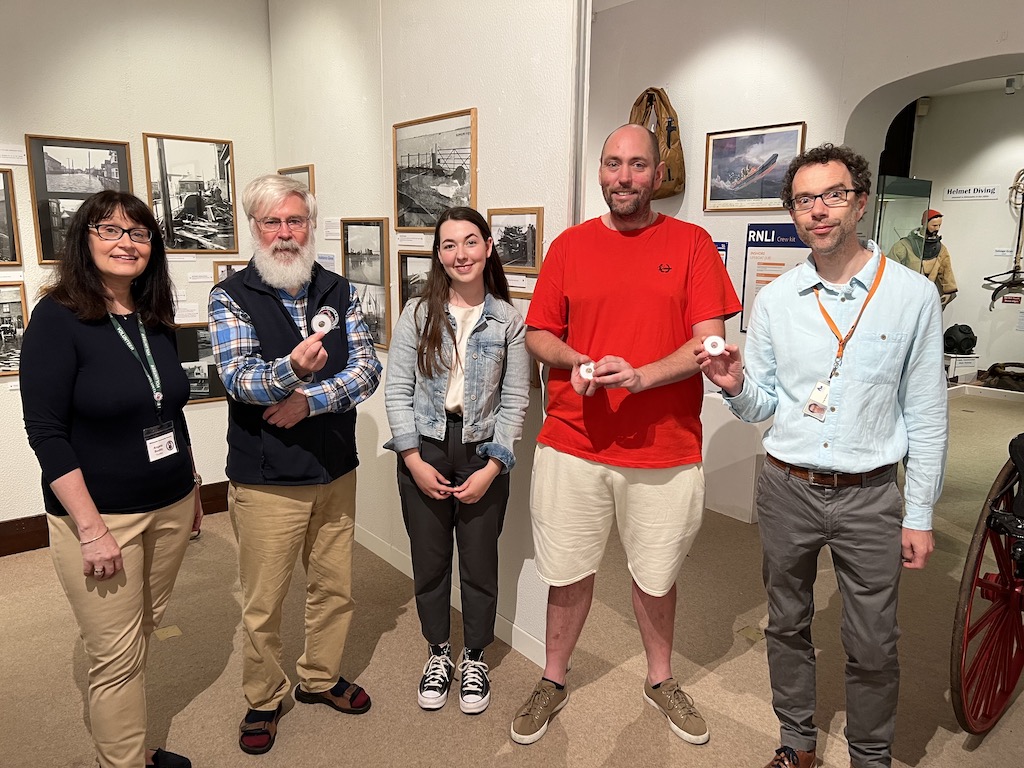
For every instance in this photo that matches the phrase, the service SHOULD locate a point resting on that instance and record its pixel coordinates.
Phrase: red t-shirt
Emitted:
(636, 295)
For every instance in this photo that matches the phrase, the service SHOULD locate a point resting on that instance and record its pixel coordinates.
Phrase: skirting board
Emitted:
(520, 640)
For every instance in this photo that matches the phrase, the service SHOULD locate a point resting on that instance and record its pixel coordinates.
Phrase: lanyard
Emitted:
(831, 323)
(149, 366)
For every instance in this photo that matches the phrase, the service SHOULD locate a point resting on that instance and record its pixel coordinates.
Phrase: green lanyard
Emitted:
(149, 366)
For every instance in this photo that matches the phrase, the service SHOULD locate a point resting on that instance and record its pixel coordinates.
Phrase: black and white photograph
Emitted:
(13, 315)
(364, 245)
(413, 266)
(376, 308)
(303, 173)
(195, 351)
(744, 169)
(62, 173)
(518, 235)
(225, 269)
(191, 187)
(10, 246)
(435, 168)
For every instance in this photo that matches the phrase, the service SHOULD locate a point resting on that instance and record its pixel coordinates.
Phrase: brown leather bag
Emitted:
(654, 111)
(1000, 376)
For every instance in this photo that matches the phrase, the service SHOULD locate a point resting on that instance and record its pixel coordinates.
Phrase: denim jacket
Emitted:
(497, 369)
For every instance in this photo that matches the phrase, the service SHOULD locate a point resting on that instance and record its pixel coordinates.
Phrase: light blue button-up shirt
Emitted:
(888, 401)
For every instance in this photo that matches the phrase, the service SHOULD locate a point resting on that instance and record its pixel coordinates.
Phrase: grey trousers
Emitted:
(476, 527)
(862, 527)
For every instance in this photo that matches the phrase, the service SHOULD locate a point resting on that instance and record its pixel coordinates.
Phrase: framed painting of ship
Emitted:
(435, 168)
(365, 250)
(191, 187)
(743, 170)
(518, 238)
(413, 268)
(62, 173)
(375, 303)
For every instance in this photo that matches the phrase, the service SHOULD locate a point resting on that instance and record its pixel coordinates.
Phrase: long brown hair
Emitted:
(429, 352)
(77, 284)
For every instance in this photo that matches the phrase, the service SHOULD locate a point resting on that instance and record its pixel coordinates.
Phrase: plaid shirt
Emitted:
(249, 378)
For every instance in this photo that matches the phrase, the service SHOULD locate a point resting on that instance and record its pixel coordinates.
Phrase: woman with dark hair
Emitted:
(102, 391)
(456, 395)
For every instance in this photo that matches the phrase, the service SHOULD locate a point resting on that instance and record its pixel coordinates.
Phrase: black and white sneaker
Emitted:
(475, 688)
(437, 677)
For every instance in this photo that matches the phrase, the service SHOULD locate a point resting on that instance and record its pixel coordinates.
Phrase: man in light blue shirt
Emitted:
(846, 352)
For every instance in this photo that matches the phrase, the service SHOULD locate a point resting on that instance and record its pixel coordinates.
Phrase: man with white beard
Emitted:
(296, 358)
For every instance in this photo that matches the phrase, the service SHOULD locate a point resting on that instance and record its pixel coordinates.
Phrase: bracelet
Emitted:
(90, 541)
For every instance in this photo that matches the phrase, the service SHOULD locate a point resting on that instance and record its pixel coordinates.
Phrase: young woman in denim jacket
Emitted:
(456, 393)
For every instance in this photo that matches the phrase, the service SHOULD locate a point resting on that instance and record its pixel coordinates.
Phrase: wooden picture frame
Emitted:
(195, 351)
(224, 269)
(63, 172)
(303, 173)
(518, 235)
(413, 268)
(375, 302)
(13, 319)
(10, 243)
(435, 161)
(366, 251)
(197, 178)
(744, 169)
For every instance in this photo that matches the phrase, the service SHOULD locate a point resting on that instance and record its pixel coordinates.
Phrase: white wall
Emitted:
(976, 138)
(106, 70)
(844, 67)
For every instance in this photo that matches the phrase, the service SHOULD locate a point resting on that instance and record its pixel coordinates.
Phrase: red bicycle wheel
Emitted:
(987, 654)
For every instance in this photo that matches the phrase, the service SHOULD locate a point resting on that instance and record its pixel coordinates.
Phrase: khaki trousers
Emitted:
(272, 524)
(116, 617)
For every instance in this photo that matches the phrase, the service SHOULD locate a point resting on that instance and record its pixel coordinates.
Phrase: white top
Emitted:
(465, 319)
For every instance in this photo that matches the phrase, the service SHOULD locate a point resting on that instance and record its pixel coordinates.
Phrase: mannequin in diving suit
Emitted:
(922, 250)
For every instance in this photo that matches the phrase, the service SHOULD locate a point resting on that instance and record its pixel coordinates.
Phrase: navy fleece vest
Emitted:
(318, 449)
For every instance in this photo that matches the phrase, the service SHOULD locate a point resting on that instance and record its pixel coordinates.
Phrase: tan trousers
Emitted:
(272, 524)
(116, 617)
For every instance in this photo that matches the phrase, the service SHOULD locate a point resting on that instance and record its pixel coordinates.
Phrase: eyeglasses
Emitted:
(294, 223)
(834, 198)
(114, 232)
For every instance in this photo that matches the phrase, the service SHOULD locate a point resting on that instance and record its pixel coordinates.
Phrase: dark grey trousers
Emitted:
(476, 527)
(862, 527)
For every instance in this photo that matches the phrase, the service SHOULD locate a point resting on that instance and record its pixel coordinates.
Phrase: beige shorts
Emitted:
(573, 502)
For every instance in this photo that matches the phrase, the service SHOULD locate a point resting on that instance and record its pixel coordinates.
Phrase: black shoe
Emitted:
(475, 688)
(165, 759)
(437, 677)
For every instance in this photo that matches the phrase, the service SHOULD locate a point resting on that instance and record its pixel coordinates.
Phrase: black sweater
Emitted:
(86, 401)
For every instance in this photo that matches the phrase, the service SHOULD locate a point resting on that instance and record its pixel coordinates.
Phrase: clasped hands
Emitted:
(435, 485)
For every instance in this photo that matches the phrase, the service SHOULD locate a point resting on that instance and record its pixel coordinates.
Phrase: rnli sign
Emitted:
(972, 192)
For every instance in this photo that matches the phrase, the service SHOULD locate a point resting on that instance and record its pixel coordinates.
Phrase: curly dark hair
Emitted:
(429, 355)
(77, 284)
(826, 153)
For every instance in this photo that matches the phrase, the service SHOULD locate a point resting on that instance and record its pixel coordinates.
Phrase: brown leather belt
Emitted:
(828, 479)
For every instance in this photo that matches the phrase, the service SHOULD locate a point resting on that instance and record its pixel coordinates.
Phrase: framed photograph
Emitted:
(191, 187)
(13, 316)
(435, 168)
(413, 268)
(365, 252)
(224, 269)
(743, 170)
(375, 302)
(518, 238)
(195, 351)
(10, 245)
(303, 173)
(62, 173)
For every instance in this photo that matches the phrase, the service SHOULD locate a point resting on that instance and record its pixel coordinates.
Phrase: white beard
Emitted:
(286, 264)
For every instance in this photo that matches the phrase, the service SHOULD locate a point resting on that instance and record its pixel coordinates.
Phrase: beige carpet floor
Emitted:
(195, 702)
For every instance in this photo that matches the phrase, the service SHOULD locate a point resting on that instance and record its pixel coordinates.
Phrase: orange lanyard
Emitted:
(831, 323)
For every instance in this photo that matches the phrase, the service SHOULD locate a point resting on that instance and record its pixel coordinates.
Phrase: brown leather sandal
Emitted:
(257, 738)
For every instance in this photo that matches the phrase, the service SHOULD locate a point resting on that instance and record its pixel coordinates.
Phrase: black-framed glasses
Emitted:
(834, 198)
(114, 232)
(294, 223)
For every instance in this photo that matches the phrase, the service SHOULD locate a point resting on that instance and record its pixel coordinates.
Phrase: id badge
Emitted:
(160, 442)
(817, 403)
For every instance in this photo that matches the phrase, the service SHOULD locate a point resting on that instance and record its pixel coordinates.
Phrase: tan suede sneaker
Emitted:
(678, 707)
(531, 721)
